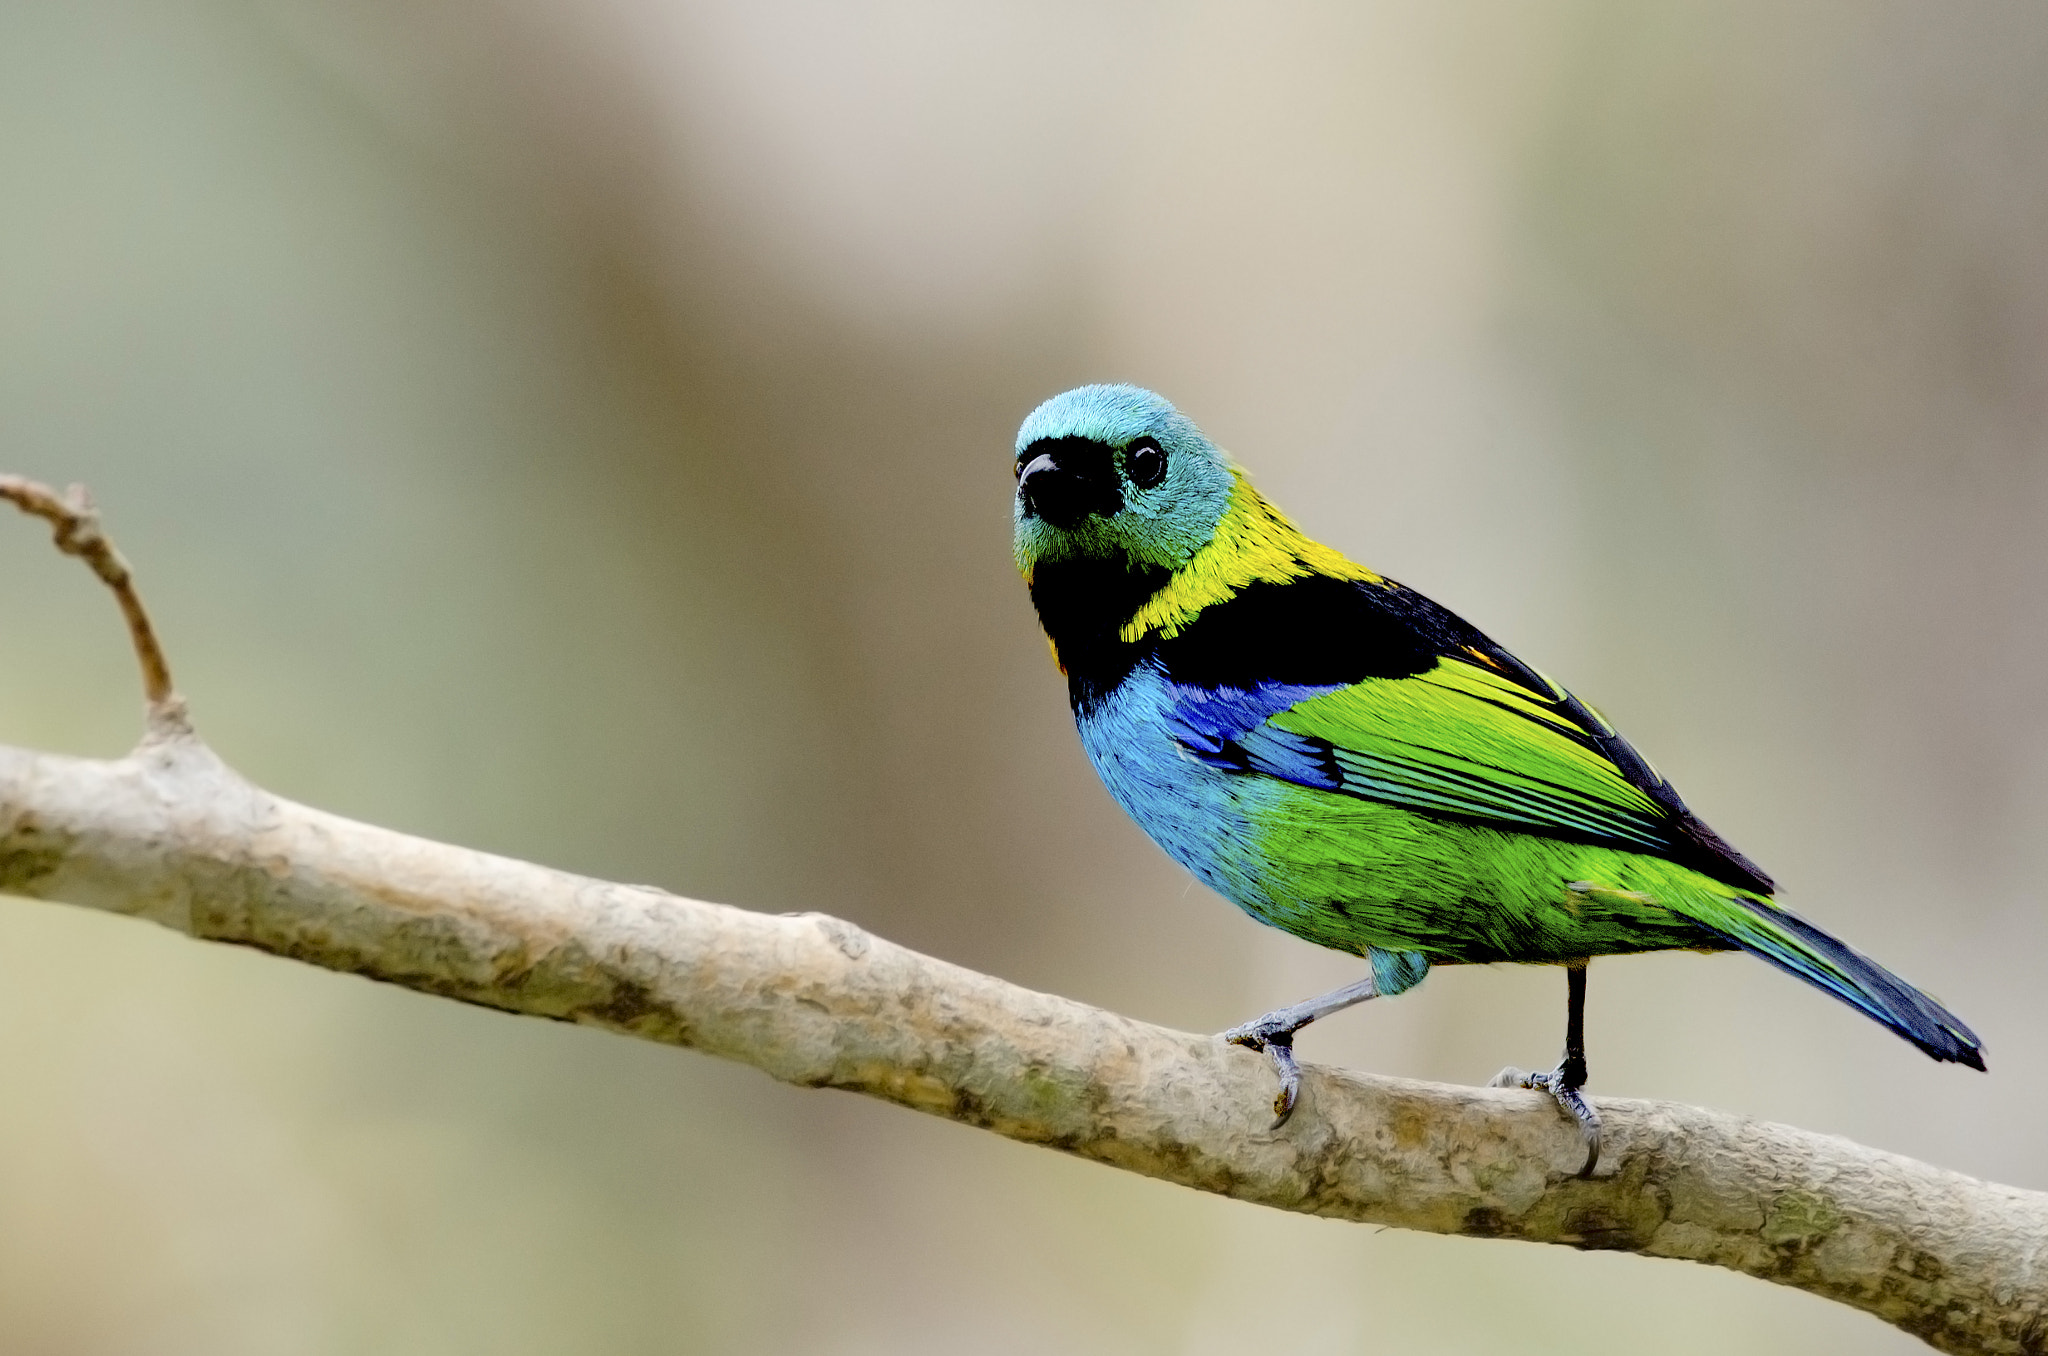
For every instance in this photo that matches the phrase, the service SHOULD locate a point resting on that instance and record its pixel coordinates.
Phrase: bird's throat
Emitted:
(1084, 605)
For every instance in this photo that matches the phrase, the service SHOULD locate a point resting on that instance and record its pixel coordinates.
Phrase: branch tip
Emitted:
(75, 527)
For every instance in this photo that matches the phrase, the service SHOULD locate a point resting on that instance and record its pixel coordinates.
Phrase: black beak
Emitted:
(1067, 479)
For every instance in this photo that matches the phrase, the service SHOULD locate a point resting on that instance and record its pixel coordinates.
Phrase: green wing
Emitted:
(1475, 742)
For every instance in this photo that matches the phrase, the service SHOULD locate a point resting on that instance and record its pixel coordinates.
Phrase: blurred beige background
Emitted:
(582, 431)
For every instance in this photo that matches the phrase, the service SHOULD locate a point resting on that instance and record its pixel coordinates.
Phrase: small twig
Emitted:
(75, 524)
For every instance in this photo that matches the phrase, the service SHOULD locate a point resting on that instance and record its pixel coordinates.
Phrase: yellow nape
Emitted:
(1254, 542)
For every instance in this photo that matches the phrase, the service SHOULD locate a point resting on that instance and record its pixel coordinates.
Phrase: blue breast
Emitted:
(1160, 748)
(1170, 755)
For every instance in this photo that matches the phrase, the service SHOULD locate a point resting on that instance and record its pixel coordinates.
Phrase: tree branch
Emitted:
(170, 833)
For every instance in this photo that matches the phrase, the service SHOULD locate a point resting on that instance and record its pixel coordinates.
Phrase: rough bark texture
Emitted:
(173, 835)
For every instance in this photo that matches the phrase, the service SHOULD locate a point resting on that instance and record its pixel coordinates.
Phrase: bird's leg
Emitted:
(1274, 1034)
(1569, 1076)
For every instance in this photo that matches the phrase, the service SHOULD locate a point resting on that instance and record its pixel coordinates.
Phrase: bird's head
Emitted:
(1115, 472)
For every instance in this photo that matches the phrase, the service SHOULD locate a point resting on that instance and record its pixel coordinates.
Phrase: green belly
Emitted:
(1349, 873)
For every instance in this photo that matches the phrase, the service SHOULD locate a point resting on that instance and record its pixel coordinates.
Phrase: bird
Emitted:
(1352, 763)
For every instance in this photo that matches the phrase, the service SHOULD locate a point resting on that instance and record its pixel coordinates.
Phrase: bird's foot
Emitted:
(1562, 1083)
(1273, 1034)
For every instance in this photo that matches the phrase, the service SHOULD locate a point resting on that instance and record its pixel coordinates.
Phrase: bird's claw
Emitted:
(1565, 1090)
(1277, 1040)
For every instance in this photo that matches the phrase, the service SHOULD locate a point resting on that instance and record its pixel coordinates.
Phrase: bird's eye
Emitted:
(1146, 462)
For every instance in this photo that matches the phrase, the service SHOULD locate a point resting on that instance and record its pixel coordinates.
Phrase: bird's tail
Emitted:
(1797, 946)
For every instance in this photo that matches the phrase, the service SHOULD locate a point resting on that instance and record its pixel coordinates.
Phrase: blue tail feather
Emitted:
(1798, 947)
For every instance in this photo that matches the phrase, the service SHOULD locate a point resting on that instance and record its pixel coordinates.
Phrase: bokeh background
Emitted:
(582, 431)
